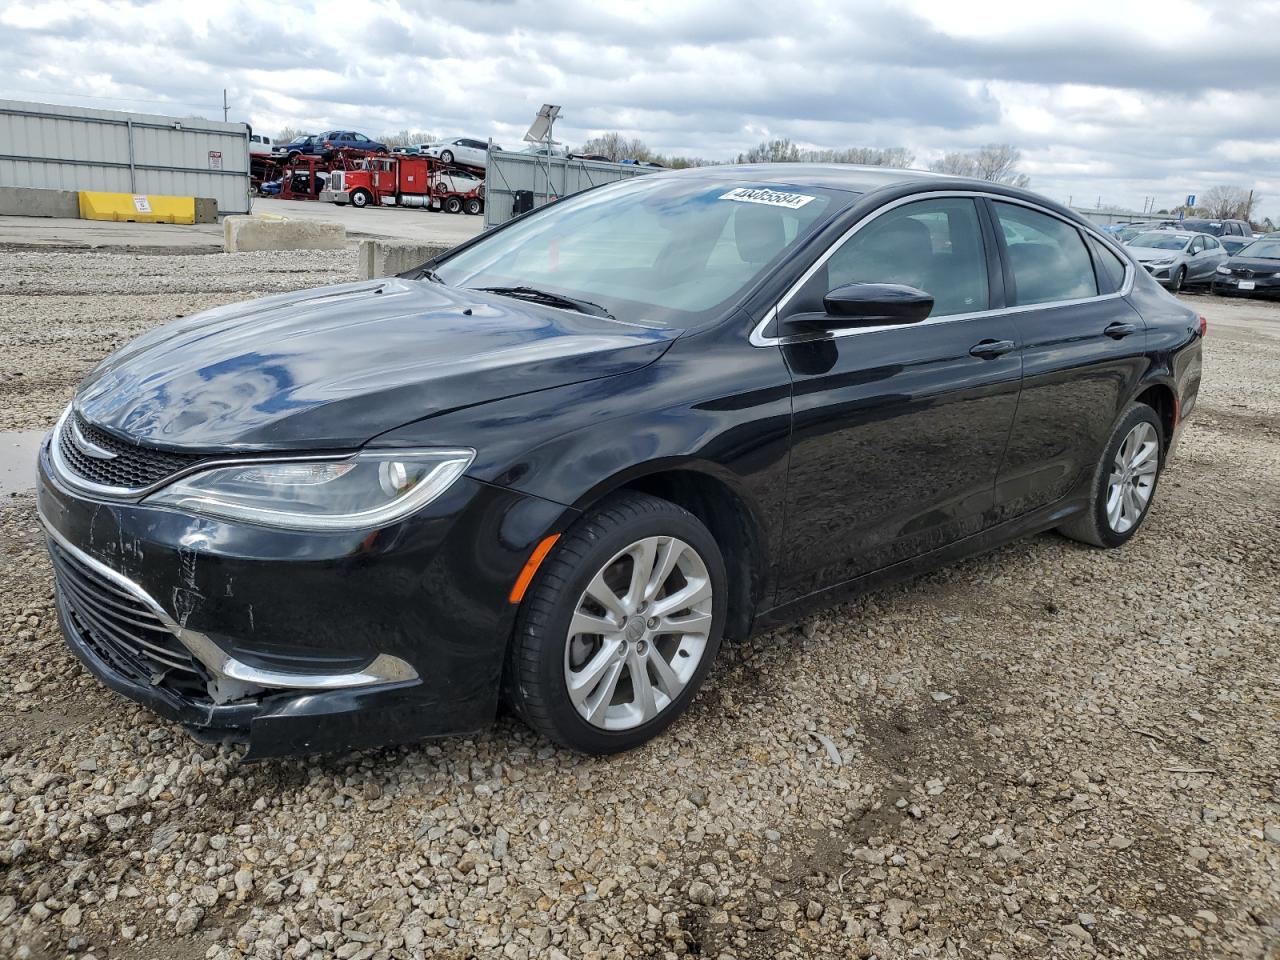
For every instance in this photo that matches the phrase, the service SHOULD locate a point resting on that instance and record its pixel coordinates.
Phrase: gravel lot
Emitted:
(1051, 751)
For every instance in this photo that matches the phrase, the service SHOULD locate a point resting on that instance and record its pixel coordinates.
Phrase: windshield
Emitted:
(1161, 240)
(1263, 249)
(1214, 227)
(653, 250)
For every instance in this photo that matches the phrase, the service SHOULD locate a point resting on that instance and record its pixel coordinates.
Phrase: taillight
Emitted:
(1204, 325)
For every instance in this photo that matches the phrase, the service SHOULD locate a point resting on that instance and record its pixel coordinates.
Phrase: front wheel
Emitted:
(446, 156)
(360, 199)
(620, 626)
(1179, 279)
(1124, 481)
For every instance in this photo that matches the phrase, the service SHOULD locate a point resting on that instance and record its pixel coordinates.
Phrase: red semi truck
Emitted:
(406, 181)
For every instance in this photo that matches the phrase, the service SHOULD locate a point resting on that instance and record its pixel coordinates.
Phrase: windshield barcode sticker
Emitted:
(772, 198)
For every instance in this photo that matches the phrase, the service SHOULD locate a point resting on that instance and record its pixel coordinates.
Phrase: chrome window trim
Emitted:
(69, 478)
(384, 668)
(759, 339)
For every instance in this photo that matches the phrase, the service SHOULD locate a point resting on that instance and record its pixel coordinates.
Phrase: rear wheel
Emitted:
(1124, 481)
(620, 627)
(471, 206)
(360, 198)
(452, 205)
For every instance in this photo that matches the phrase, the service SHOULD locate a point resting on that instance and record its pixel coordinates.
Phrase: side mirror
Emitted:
(870, 305)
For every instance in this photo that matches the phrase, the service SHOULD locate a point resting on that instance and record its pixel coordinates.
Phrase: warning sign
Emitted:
(215, 159)
(142, 204)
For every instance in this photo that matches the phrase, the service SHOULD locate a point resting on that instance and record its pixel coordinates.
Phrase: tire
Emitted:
(599, 552)
(446, 156)
(471, 206)
(1097, 525)
(360, 199)
(1179, 279)
(452, 205)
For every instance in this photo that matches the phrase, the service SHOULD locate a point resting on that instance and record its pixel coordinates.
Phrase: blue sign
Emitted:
(1191, 199)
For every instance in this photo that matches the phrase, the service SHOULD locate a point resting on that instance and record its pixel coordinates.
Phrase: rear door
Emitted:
(1083, 349)
(898, 432)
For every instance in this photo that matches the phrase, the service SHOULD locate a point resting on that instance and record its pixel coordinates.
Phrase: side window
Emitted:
(1197, 245)
(1046, 255)
(932, 245)
(1110, 268)
(1211, 243)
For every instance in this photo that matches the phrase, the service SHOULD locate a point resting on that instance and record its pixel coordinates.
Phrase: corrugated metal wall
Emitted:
(546, 177)
(70, 148)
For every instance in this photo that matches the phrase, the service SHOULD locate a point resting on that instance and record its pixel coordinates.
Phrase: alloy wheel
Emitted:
(638, 633)
(1133, 477)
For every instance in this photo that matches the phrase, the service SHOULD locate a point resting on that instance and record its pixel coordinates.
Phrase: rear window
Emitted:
(1048, 257)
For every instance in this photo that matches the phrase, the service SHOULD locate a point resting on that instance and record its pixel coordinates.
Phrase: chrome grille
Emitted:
(122, 630)
(133, 467)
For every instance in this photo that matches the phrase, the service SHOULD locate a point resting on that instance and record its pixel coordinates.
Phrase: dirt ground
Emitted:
(1049, 751)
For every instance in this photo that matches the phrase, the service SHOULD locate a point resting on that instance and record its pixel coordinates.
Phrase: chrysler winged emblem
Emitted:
(87, 446)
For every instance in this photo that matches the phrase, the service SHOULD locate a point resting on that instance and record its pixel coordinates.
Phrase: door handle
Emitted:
(1118, 331)
(990, 349)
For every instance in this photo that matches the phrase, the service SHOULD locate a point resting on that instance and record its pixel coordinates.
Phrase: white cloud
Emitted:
(1107, 98)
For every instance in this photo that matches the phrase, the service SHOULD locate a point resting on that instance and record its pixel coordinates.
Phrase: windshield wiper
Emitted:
(426, 273)
(534, 295)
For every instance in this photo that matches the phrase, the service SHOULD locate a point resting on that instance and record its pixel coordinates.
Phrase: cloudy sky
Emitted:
(1119, 100)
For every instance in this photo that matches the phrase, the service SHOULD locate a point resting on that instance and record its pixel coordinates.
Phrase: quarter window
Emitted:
(1110, 268)
(932, 245)
(1046, 255)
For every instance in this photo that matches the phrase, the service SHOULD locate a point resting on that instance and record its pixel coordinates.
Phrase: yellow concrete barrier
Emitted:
(138, 208)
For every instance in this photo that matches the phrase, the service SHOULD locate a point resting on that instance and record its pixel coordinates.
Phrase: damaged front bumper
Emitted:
(292, 642)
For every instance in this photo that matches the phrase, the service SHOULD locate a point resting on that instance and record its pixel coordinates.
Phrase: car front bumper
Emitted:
(1262, 286)
(335, 196)
(296, 642)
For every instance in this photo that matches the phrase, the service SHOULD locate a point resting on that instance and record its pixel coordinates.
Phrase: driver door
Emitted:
(898, 431)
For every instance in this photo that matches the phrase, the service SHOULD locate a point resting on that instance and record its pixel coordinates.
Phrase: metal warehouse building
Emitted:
(72, 148)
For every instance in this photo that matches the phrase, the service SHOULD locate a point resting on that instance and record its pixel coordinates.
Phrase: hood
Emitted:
(1143, 254)
(333, 367)
(1254, 265)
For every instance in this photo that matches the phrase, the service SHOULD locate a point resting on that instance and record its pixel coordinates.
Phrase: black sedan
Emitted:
(556, 465)
(1253, 272)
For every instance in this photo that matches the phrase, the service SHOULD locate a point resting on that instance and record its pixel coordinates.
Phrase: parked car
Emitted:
(407, 151)
(1175, 257)
(1234, 245)
(259, 145)
(539, 150)
(349, 140)
(1253, 272)
(1216, 228)
(473, 153)
(298, 146)
(599, 157)
(465, 191)
(560, 461)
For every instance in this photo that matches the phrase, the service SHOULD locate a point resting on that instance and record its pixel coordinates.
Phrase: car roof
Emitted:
(859, 179)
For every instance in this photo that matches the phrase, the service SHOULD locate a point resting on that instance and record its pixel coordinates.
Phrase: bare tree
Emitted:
(781, 150)
(1224, 201)
(995, 162)
(407, 138)
(617, 147)
(867, 156)
(290, 133)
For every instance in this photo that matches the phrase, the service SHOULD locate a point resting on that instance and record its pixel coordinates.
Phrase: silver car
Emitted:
(1175, 257)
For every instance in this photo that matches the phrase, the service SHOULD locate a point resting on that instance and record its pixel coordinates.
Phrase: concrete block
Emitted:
(136, 208)
(206, 210)
(386, 258)
(34, 202)
(244, 234)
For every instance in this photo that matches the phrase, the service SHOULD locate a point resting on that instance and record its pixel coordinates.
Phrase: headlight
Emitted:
(367, 490)
(1223, 268)
(1166, 262)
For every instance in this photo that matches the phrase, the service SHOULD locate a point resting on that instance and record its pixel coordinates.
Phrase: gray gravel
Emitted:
(1050, 751)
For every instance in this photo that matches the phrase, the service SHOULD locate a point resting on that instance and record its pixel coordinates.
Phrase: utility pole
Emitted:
(225, 105)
